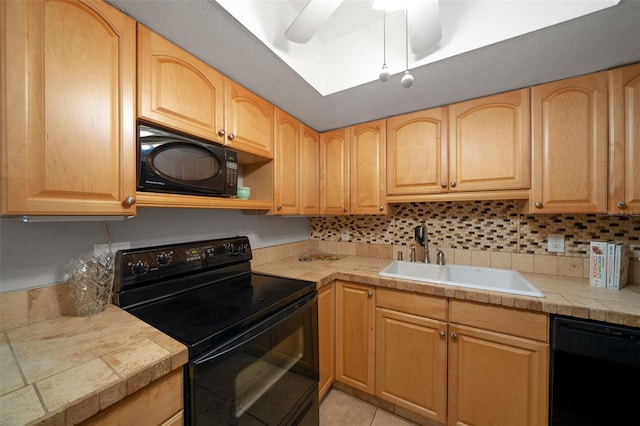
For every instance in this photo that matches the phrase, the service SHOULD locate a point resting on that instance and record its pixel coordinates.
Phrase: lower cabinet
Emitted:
(411, 352)
(498, 366)
(159, 403)
(448, 361)
(355, 339)
(326, 337)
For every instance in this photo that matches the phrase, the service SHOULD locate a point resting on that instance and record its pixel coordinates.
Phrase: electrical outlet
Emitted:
(345, 235)
(98, 249)
(555, 243)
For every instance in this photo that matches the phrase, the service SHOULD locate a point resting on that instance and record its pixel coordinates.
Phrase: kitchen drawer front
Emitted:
(412, 303)
(531, 325)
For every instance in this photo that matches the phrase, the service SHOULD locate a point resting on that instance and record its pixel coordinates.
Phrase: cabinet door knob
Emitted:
(370, 293)
(279, 206)
(381, 208)
(453, 184)
(442, 333)
(129, 201)
(454, 335)
(221, 132)
(231, 136)
(538, 205)
(345, 210)
(621, 204)
(443, 184)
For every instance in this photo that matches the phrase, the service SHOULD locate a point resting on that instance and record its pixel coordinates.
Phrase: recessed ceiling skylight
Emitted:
(347, 49)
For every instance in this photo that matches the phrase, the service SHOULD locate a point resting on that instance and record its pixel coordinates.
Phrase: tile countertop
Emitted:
(563, 295)
(65, 369)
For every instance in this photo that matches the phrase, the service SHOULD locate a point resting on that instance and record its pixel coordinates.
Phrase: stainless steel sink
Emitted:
(502, 280)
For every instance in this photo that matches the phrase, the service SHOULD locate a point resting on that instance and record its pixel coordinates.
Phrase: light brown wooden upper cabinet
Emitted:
(368, 168)
(624, 140)
(295, 166)
(177, 90)
(248, 121)
(309, 172)
(489, 143)
(286, 167)
(459, 151)
(417, 152)
(68, 85)
(569, 128)
(334, 172)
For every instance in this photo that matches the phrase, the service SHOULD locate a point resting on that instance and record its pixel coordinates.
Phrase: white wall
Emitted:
(37, 254)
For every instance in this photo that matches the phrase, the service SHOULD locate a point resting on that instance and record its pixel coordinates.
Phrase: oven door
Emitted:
(267, 375)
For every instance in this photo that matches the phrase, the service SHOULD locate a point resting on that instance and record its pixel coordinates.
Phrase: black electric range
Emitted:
(233, 322)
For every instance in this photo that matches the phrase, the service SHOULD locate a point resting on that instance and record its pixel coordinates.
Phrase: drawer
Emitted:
(530, 325)
(412, 303)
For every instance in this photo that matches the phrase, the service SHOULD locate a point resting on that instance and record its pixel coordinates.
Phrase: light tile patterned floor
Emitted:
(340, 409)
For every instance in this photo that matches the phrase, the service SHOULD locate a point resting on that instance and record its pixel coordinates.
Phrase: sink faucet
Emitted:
(422, 238)
(440, 257)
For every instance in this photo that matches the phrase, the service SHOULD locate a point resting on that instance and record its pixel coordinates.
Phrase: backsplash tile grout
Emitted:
(495, 226)
(488, 233)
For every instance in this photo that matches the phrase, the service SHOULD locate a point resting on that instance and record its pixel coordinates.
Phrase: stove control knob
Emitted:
(244, 248)
(228, 248)
(163, 258)
(139, 268)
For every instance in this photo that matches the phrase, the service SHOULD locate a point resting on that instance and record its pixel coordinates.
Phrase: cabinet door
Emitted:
(417, 152)
(624, 135)
(286, 169)
(496, 379)
(68, 139)
(178, 90)
(248, 121)
(490, 143)
(309, 172)
(334, 172)
(569, 119)
(355, 346)
(326, 337)
(368, 182)
(411, 363)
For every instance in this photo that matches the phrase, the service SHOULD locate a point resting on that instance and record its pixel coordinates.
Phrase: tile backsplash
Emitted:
(492, 226)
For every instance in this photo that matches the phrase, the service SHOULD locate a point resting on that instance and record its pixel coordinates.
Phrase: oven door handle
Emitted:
(258, 329)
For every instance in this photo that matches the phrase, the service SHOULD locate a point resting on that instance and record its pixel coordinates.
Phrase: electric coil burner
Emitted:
(252, 338)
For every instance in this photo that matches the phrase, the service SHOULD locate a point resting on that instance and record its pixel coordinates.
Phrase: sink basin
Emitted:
(502, 280)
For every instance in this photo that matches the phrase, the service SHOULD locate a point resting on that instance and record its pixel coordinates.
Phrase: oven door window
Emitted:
(184, 162)
(267, 376)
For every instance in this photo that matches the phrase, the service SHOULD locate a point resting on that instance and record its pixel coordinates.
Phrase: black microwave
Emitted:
(180, 164)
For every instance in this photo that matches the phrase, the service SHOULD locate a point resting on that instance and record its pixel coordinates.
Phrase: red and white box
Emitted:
(598, 263)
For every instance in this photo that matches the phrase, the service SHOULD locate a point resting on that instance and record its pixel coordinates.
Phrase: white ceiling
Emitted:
(488, 46)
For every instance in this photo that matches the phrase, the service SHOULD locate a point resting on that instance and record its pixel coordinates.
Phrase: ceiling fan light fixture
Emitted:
(407, 80)
(384, 73)
(388, 5)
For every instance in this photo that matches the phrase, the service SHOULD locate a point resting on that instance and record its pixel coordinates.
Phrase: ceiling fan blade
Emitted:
(424, 24)
(310, 19)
